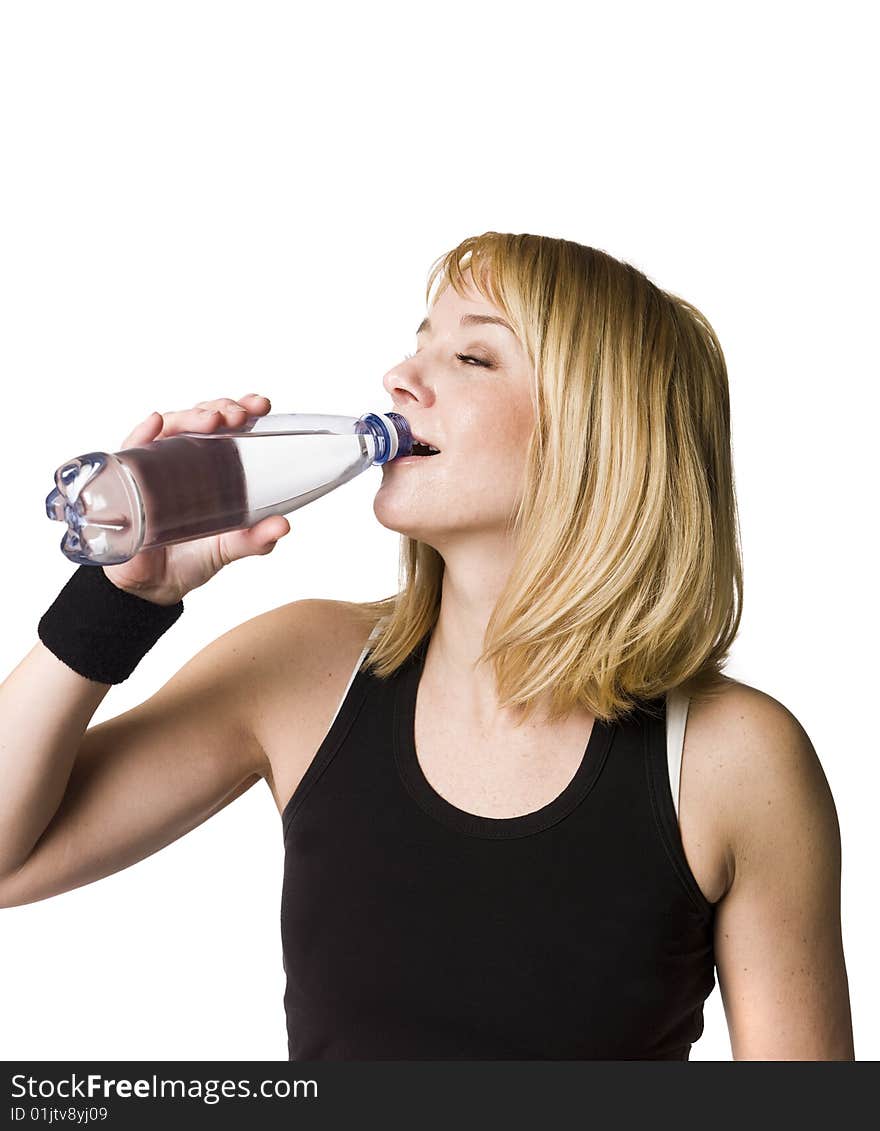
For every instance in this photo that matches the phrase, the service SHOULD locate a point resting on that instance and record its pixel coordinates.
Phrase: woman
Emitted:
(500, 842)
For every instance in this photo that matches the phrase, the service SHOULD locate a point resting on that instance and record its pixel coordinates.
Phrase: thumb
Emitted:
(258, 539)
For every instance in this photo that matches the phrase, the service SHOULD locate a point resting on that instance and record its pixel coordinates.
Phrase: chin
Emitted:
(402, 523)
(401, 526)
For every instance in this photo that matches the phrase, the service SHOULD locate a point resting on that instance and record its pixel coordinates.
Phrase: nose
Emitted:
(406, 383)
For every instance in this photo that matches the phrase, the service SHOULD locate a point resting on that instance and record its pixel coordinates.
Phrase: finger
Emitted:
(256, 403)
(191, 420)
(232, 413)
(221, 403)
(259, 539)
(204, 417)
(146, 431)
(250, 402)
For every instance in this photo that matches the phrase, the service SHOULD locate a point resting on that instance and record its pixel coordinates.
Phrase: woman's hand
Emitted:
(164, 574)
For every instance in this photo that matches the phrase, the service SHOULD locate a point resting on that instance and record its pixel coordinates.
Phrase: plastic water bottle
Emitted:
(193, 484)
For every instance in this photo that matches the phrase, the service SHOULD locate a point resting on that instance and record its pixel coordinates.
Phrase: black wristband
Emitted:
(99, 630)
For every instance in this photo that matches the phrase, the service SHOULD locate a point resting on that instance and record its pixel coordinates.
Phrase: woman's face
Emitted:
(467, 391)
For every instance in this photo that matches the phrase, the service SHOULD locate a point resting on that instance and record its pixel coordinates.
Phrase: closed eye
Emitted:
(463, 357)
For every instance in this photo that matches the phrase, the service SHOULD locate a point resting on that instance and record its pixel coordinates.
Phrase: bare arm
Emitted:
(77, 807)
(45, 708)
(778, 942)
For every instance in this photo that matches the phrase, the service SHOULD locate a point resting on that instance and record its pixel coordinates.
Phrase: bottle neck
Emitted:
(392, 434)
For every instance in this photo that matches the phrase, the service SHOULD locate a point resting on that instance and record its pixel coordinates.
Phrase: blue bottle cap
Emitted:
(392, 433)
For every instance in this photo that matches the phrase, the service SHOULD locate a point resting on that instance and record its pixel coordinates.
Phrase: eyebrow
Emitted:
(470, 320)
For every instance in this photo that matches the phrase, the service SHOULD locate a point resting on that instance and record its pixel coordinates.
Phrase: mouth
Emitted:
(413, 457)
(423, 448)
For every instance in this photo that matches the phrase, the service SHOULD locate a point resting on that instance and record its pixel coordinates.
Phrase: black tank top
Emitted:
(412, 930)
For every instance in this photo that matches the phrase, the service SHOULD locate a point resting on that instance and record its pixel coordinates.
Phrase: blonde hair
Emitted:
(627, 580)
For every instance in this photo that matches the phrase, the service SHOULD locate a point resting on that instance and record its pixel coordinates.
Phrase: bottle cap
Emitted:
(392, 434)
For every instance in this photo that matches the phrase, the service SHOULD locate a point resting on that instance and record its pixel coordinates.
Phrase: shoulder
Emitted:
(293, 643)
(296, 661)
(761, 771)
(778, 941)
(323, 621)
(736, 713)
(286, 654)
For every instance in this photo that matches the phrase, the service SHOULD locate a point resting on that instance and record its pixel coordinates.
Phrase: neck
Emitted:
(472, 582)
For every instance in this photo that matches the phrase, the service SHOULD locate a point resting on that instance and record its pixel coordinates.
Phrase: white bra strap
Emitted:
(676, 721)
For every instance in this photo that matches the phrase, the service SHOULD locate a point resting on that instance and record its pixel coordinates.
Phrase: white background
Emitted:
(210, 199)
